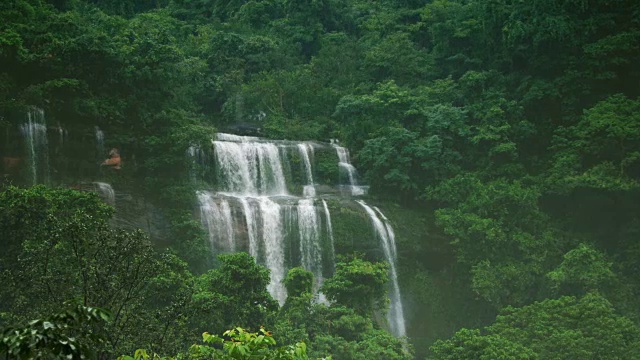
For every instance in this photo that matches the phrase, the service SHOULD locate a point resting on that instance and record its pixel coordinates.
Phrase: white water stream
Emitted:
(346, 167)
(107, 192)
(386, 235)
(35, 135)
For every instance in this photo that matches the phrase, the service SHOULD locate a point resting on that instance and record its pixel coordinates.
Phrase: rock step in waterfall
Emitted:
(252, 207)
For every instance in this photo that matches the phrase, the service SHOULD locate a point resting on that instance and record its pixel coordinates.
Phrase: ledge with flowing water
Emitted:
(269, 198)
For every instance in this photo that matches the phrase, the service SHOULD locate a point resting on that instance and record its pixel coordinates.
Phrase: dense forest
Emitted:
(500, 137)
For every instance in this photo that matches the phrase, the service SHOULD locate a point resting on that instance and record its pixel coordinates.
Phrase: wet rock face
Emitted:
(136, 212)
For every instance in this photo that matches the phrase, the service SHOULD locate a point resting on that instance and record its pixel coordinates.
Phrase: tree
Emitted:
(470, 344)
(62, 248)
(564, 328)
(298, 282)
(237, 344)
(358, 284)
(72, 334)
(500, 234)
(602, 150)
(234, 294)
(583, 269)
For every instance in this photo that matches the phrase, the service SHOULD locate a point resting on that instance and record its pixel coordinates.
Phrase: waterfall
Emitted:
(250, 217)
(249, 167)
(390, 232)
(387, 238)
(216, 215)
(332, 251)
(62, 133)
(272, 229)
(310, 249)
(35, 135)
(106, 191)
(346, 167)
(309, 189)
(327, 216)
(100, 142)
(195, 153)
(251, 209)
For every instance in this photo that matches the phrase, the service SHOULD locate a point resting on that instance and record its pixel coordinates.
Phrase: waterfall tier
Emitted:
(280, 232)
(251, 166)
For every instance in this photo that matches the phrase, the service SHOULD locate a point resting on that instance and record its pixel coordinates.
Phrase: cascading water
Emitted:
(332, 250)
(387, 238)
(254, 209)
(272, 233)
(100, 142)
(107, 192)
(309, 228)
(346, 167)
(250, 168)
(35, 135)
(309, 189)
(217, 217)
(62, 133)
(327, 216)
(251, 215)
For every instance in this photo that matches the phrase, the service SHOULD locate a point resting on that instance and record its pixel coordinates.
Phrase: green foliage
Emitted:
(62, 248)
(601, 151)
(469, 344)
(566, 328)
(234, 294)
(397, 57)
(395, 160)
(237, 344)
(367, 345)
(298, 282)
(64, 335)
(500, 233)
(409, 134)
(296, 104)
(585, 327)
(326, 167)
(340, 331)
(245, 345)
(583, 269)
(358, 284)
(189, 237)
